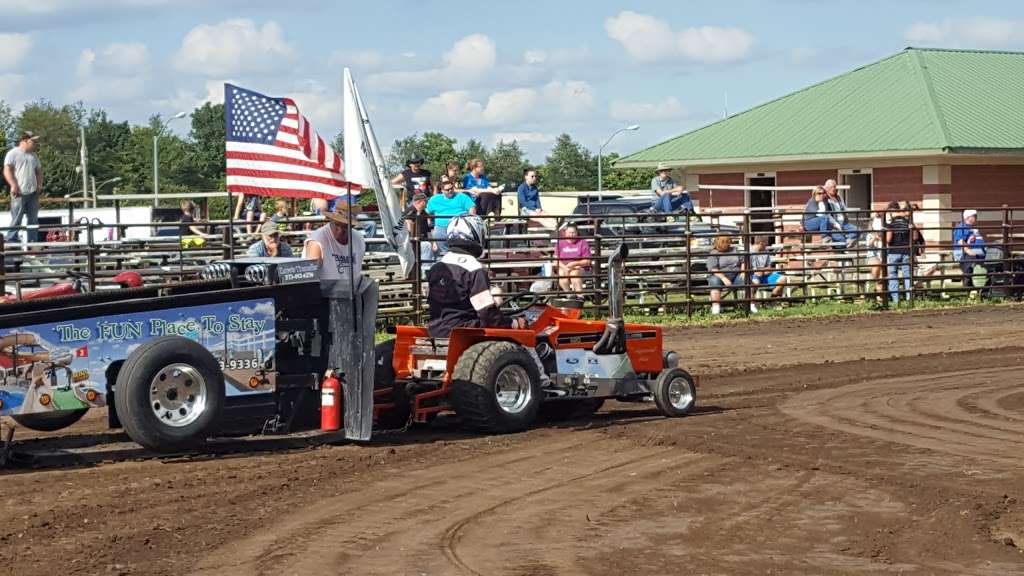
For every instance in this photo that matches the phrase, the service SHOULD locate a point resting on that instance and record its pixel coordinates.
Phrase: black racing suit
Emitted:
(460, 295)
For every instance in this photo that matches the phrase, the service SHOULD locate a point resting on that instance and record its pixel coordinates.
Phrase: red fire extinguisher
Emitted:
(330, 402)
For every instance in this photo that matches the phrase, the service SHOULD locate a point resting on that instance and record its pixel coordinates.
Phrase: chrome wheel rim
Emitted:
(178, 395)
(512, 389)
(680, 395)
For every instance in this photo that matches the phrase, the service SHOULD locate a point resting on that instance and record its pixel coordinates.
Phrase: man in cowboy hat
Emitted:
(668, 196)
(414, 178)
(352, 305)
(24, 175)
(337, 247)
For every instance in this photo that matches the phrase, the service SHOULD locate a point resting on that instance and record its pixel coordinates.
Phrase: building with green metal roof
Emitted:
(942, 126)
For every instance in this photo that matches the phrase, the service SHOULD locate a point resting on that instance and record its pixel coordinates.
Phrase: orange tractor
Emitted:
(560, 365)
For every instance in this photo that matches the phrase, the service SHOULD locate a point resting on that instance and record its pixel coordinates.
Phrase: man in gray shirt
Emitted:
(24, 175)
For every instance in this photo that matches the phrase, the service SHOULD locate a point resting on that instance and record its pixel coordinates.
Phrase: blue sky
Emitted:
(526, 70)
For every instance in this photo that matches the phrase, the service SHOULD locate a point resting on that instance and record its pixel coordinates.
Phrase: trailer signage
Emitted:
(61, 365)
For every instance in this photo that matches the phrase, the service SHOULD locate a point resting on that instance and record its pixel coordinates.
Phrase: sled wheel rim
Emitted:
(178, 395)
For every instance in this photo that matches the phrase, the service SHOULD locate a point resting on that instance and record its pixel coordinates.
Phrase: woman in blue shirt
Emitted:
(476, 183)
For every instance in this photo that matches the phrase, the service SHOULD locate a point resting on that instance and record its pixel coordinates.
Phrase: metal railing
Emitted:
(666, 272)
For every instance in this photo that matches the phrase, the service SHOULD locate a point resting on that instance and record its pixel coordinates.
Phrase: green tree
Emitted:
(569, 166)
(206, 149)
(435, 148)
(624, 178)
(175, 168)
(108, 143)
(505, 163)
(8, 126)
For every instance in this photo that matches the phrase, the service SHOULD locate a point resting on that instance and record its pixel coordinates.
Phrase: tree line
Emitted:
(195, 162)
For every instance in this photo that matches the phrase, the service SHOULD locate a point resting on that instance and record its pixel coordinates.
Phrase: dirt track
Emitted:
(863, 445)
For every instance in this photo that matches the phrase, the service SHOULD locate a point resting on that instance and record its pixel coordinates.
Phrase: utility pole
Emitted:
(85, 165)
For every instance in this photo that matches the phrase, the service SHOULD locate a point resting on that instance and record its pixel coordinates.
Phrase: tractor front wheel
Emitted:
(496, 387)
(674, 393)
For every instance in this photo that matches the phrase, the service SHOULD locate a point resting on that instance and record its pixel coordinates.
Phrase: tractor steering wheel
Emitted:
(517, 304)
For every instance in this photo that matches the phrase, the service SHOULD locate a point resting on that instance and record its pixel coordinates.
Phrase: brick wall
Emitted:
(987, 186)
(898, 183)
(722, 198)
(800, 178)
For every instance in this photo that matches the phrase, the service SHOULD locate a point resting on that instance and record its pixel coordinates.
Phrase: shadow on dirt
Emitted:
(87, 450)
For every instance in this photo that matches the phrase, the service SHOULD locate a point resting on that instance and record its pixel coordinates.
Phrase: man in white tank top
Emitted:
(337, 246)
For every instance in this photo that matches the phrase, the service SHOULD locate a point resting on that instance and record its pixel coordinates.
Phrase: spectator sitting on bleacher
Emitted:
(669, 197)
(817, 216)
(838, 210)
(574, 257)
(969, 246)
(762, 273)
(725, 270)
(270, 244)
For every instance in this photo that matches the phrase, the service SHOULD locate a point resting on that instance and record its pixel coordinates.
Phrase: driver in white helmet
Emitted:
(460, 294)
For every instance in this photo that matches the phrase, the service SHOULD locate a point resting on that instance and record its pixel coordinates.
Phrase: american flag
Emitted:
(272, 150)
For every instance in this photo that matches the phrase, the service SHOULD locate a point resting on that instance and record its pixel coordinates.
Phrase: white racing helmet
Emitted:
(466, 233)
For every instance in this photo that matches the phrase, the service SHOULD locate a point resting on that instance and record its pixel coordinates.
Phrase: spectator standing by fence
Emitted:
(845, 230)
(24, 175)
(418, 224)
(898, 238)
(414, 179)
(443, 207)
(875, 258)
(574, 257)
(725, 270)
(669, 197)
(969, 246)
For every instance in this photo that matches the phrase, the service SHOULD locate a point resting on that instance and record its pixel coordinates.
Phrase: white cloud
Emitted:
(648, 39)
(185, 100)
(15, 48)
(109, 89)
(116, 73)
(12, 89)
(967, 33)
(118, 59)
(668, 109)
(571, 98)
(535, 56)
(321, 106)
(523, 137)
(362, 59)
(468, 62)
(232, 47)
(458, 108)
(560, 58)
(16, 8)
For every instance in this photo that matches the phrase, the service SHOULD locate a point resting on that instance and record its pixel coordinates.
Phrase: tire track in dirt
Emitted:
(383, 531)
(925, 411)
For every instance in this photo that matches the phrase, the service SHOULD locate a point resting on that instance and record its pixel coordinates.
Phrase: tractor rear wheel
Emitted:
(496, 387)
(674, 392)
(384, 379)
(49, 421)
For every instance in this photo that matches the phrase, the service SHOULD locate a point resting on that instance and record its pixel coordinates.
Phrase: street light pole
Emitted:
(156, 160)
(600, 154)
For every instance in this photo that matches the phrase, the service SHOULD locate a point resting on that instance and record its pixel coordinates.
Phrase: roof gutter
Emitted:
(794, 158)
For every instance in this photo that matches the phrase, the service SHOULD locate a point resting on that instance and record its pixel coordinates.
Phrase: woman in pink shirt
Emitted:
(573, 258)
